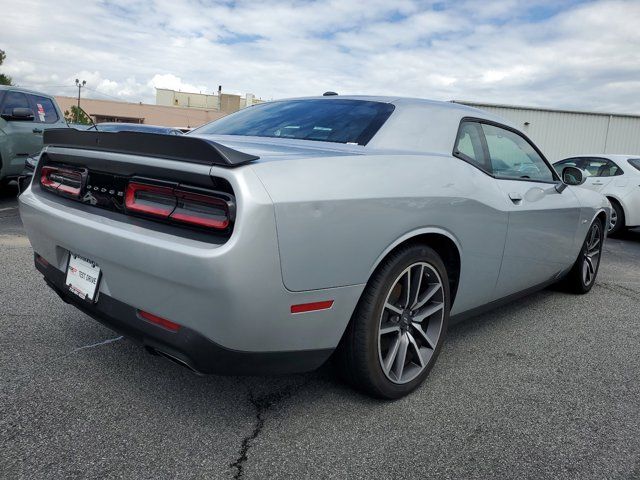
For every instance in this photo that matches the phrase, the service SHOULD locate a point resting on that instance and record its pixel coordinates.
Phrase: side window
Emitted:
(14, 100)
(514, 157)
(44, 112)
(469, 145)
(601, 167)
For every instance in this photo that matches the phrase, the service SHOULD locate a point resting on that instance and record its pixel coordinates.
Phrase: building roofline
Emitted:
(543, 109)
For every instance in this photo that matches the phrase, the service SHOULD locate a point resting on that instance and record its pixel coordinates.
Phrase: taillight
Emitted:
(62, 180)
(201, 210)
(179, 205)
(150, 199)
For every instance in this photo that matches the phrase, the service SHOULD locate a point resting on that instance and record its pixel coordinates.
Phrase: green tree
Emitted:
(76, 116)
(4, 79)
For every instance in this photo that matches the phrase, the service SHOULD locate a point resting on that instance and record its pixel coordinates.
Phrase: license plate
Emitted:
(83, 276)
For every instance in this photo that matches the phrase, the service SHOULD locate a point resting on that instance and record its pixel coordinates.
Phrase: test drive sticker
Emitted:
(40, 111)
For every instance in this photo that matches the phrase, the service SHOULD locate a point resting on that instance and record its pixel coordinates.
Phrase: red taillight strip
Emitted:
(53, 185)
(134, 206)
(311, 307)
(177, 208)
(163, 322)
(201, 221)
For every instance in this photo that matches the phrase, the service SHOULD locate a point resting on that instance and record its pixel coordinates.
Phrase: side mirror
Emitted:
(19, 115)
(572, 176)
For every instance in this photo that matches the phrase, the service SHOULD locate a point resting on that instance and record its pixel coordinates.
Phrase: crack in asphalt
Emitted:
(262, 405)
(93, 345)
(620, 290)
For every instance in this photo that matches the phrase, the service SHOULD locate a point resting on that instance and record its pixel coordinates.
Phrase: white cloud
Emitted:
(542, 52)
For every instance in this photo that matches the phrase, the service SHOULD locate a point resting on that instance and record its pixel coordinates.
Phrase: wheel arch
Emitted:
(442, 241)
(602, 215)
(614, 198)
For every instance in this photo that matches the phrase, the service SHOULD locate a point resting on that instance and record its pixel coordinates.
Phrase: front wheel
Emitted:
(399, 325)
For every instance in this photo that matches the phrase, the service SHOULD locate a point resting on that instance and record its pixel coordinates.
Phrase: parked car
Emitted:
(25, 115)
(137, 127)
(270, 239)
(618, 178)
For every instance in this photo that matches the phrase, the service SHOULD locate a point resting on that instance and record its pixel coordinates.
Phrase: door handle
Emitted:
(37, 130)
(597, 183)
(516, 197)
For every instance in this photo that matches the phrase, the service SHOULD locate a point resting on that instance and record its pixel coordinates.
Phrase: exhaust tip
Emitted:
(172, 358)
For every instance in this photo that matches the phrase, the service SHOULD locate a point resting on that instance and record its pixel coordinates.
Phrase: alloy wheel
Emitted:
(411, 322)
(613, 220)
(591, 254)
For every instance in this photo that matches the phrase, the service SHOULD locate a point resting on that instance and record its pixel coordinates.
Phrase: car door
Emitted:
(24, 140)
(542, 224)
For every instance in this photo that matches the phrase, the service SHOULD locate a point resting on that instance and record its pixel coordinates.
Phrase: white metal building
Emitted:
(563, 133)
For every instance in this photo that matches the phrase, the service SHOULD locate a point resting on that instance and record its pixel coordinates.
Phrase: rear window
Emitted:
(339, 121)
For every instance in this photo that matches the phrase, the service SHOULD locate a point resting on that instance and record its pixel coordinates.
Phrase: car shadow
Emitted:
(9, 191)
(325, 382)
(631, 234)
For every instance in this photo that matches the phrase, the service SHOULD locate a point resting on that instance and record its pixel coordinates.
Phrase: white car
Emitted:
(618, 178)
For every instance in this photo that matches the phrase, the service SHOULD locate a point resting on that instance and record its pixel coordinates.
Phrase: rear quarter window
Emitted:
(44, 110)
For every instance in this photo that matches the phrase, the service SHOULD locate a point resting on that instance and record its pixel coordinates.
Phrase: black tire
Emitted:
(618, 214)
(359, 355)
(575, 281)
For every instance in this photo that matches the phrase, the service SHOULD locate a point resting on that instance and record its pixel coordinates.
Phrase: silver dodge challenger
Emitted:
(270, 240)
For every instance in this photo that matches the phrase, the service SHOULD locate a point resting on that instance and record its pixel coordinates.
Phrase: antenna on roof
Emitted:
(329, 94)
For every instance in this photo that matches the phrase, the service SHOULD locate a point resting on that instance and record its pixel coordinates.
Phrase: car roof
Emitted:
(611, 156)
(416, 124)
(25, 90)
(400, 101)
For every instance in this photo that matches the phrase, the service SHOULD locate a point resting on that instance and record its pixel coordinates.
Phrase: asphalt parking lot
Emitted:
(548, 387)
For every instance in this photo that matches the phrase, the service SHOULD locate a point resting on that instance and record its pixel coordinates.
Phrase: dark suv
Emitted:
(24, 117)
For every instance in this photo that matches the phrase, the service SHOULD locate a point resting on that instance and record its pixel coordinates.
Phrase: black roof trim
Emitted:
(173, 147)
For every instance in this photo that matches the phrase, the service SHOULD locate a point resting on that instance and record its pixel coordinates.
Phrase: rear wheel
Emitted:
(617, 221)
(398, 328)
(585, 270)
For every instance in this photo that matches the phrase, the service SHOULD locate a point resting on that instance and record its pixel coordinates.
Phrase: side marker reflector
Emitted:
(163, 322)
(311, 307)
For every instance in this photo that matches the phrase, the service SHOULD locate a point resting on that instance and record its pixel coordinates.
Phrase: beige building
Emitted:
(172, 109)
(114, 111)
(224, 102)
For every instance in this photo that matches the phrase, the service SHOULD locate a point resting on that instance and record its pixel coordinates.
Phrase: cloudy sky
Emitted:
(563, 54)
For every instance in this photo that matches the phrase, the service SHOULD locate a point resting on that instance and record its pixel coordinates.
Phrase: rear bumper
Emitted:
(186, 346)
(230, 294)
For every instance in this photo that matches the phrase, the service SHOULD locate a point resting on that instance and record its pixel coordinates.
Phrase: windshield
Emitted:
(339, 121)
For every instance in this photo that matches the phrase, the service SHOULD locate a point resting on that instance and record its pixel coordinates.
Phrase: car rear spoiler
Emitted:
(173, 147)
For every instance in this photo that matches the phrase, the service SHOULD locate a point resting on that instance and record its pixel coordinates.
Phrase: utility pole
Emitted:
(79, 84)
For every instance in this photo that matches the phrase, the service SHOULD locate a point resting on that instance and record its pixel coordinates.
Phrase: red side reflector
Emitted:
(311, 307)
(163, 322)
